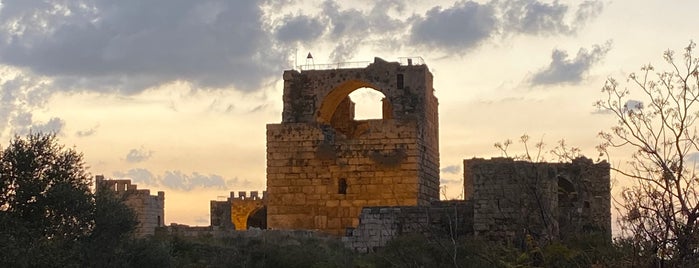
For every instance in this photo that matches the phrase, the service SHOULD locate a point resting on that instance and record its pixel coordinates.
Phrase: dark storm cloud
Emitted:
(130, 45)
(300, 28)
(461, 26)
(138, 155)
(564, 69)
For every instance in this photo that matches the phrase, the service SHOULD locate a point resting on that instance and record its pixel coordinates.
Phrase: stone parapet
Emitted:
(149, 209)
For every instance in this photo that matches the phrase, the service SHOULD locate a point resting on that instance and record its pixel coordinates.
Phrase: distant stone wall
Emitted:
(379, 225)
(149, 209)
(323, 166)
(512, 199)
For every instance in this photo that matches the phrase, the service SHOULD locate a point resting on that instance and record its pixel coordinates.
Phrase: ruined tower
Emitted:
(149, 209)
(323, 166)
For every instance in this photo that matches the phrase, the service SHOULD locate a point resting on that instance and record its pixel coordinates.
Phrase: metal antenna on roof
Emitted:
(309, 60)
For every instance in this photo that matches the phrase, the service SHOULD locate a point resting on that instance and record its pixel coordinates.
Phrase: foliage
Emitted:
(421, 251)
(266, 249)
(562, 152)
(661, 210)
(50, 218)
(45, 201)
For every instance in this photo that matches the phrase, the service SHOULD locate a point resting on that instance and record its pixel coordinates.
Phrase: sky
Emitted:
(176, 94)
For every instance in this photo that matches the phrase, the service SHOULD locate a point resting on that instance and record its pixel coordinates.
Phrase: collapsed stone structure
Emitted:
(505, 200)
(323, 166)
(240, 212)
(546, 200)
(149, 209)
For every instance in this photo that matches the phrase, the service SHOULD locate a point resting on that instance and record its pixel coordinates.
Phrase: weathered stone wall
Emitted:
(236, 210)
(379, 225)
(512, 199)
(323, 167)
(149, 209)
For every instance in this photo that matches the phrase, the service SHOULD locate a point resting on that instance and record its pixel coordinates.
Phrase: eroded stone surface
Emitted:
(323, 166)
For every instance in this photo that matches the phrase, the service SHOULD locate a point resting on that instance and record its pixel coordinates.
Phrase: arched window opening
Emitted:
(368, 103)
(342, 186)
(567, 195)
(258, 219)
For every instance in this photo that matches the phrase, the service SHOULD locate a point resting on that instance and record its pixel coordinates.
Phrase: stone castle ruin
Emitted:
(323, 166)
(371, 180)
(149, 209)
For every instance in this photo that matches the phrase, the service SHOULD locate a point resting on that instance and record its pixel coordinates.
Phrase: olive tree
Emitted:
(656, 119)
(45, 199)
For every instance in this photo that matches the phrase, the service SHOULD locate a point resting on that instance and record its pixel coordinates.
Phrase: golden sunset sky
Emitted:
(175, 94)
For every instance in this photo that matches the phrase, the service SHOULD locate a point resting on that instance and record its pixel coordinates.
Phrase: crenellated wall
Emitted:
(323, 166)
(237, 211)
(149, 209)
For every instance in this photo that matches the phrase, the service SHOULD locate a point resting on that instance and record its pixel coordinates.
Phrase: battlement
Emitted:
(243, 195)
(149, 209)
(123, 186)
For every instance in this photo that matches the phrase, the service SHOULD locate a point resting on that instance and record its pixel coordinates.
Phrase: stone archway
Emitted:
(258, 218)
(338, 95)
(338, 110)
(241, 209)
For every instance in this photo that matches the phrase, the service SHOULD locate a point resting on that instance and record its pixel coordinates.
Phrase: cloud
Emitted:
(138, 155)
(453, 169)
(300, 28)
(186, 182)
(20, 95)
(468, 24)
(87, 132)
(350, 28)
(563, 69)
(23, 123)
(450, 181)
(460, 27)
(139, 175)
(178, 180)
(633, 105)
(693, 158)
(128, 46)
(539, 18)
(54, 125)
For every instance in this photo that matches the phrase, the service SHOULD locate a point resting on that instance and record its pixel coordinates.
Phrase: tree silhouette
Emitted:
(660, 210)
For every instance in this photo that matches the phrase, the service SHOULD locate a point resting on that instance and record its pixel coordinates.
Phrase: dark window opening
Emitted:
(159, 222)
(342, 186)
(399, 81)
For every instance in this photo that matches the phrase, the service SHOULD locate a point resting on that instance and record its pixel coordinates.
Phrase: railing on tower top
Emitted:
(406, 61)
(331, 66)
